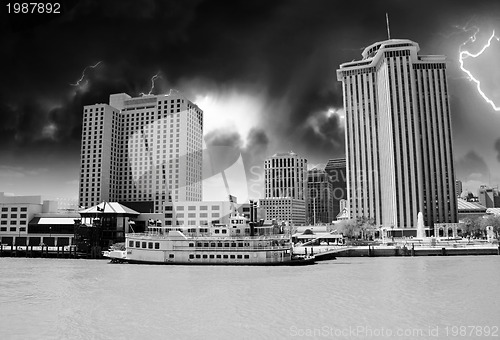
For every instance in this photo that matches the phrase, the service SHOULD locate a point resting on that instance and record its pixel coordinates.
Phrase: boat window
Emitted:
(216, 231)
(205, 245)
(170, 256)
(212, 244)
(212, 256)
(219, 244)
(191, 244)
(247, 256)
(219, 256)
(226, 244)
(233, 244)
(225, 256)
(224, 231)
(157, 245)
(198, 256)
(240, 244)
(205, 256)
(191, 256)
(239, 256)
(150, 245)
(198, 244)
(232, 256)
(137, 244)
(144, 244)
(131, 244)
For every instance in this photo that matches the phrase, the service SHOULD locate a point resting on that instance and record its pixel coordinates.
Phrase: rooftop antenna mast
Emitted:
(388, 28)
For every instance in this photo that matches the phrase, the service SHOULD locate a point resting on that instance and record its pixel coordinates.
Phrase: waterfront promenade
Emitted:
(403, 247)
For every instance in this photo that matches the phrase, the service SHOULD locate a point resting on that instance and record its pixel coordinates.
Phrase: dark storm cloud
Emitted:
(257, 142)
(289, 49)
(326, 134)
(224, 147)
(471, 164)
(497, 148)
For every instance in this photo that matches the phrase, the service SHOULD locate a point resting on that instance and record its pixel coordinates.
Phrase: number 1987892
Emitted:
(34, 8)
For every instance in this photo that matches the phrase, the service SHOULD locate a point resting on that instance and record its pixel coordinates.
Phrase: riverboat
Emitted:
(236, 243)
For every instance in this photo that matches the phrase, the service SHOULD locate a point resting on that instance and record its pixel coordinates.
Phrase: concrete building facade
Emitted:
(398, 136)
(488, 197)
(202, 213)
(285, 176)
(29, 220)
(284, 209)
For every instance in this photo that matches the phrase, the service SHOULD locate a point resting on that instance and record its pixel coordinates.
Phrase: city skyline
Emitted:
(265, 83)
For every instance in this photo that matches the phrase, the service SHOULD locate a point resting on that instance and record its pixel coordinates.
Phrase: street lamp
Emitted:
(50, 231)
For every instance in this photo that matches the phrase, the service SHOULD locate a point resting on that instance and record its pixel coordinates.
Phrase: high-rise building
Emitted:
(144, 151)
(458, 187)
(285, 188)
(398, 136)
(319, 197)
(488, 197)
(337, 174)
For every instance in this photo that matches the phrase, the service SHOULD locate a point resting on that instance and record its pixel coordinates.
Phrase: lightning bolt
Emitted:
(83, 74)
(466, 54)
(156, 76)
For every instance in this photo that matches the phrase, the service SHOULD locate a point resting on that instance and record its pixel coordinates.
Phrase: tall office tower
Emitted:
(285, 188)
(319, 197)
(337, 174)
(398, 136)
(144, 151)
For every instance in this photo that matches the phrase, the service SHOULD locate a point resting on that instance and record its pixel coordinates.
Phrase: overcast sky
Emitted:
(262, 71)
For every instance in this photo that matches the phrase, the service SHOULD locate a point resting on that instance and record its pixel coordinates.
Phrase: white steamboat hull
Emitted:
(207, 251)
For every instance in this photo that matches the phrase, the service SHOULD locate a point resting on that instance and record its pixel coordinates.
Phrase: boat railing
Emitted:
(214, 238)
(252, 247)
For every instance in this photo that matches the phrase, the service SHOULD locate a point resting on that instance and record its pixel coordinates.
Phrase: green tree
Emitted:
(474, 227)
(349, 228)
(491, 220)
(365, 226)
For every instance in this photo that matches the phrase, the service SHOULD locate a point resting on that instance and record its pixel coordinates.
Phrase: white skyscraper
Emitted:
(398, 136)
(145, 151)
